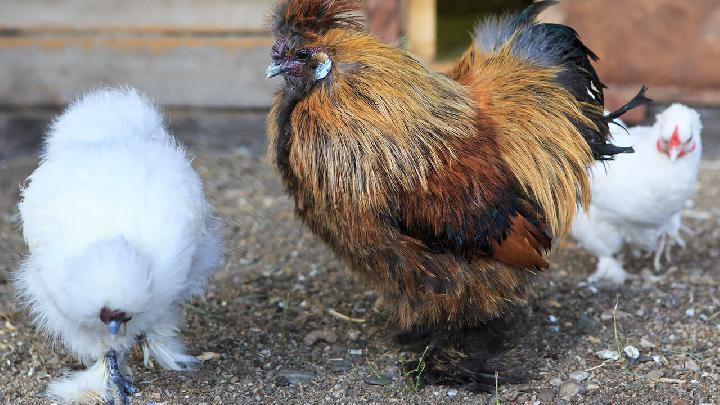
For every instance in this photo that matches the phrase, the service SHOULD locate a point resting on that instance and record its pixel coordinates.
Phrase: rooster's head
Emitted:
(300, 54)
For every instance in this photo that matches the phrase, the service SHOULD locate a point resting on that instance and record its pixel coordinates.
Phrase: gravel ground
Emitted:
(268, 330)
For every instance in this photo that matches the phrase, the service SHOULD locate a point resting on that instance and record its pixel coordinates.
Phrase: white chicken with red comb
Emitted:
(638, 198)
(120, 235)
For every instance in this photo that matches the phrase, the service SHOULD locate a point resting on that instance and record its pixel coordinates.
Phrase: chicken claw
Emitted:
(121, 385)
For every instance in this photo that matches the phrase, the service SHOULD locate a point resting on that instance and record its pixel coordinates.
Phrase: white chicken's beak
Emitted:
(273, 70)
(114, 327)
(673, 153)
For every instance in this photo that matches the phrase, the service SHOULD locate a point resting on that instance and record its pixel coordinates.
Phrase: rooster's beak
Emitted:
(273, 70)
(113, 327)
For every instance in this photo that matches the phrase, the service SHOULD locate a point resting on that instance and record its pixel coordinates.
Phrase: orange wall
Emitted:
(672, 46)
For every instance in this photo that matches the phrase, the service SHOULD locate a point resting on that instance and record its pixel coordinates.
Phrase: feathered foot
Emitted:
(665, 245)
(86, 386)
(609, 271)
(169, 352)
(476, 358)
(120, 385)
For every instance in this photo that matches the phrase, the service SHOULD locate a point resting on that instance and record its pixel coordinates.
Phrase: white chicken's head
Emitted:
(679, 129)
(106, 286)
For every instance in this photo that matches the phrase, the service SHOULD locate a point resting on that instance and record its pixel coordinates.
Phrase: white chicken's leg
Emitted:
(671, 237)
(604, 240)
(119, 383)
(668, 250)
(662, 245)
(609, 270)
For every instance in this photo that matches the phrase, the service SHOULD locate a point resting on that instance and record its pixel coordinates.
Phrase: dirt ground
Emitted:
(285, 322)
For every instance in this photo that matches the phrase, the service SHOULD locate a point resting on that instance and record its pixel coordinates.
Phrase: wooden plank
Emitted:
(221, 72)
(420, 28)
(93, 14)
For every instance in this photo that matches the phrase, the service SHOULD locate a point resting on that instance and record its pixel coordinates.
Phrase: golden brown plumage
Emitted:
(443, 191)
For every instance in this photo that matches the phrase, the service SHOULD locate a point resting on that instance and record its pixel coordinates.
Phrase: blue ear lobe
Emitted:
(323, 70)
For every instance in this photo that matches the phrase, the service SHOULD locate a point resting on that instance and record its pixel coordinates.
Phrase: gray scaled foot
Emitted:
(119, 383)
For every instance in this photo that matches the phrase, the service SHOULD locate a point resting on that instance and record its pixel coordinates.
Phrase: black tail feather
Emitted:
(530, 12)
(609, 149)
(637, 101)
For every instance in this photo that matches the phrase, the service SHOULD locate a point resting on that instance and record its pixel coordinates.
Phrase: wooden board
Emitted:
(224, 72)
(113, 15)
(207, 53)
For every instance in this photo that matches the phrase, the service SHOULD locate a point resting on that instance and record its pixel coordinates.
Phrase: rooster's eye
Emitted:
(303, 54)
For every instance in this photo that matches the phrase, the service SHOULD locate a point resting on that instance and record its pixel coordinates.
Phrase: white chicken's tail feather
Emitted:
(116, 112)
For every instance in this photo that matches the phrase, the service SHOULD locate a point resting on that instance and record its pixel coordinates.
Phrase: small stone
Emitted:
(679, 401)
(655, 374)
(691, 365)
(592, 387)
(569, 389)
(579, 376)
(209, 356)
(295, 376)
(340, 365)
(546, 396)
(282, 381)
(353, 334)
(355, 352)
(552, 319)
(586, 325)
(378, 380)
(632, 352)
(317, 335)
(554, 328)
(646, 344)
(608, 355)
(690, 312)
(556, 382)
(452, 393)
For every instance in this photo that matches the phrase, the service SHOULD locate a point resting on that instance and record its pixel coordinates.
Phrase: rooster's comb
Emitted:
(311, 18)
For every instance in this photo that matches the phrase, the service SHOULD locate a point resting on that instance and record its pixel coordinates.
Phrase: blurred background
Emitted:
(209, 56)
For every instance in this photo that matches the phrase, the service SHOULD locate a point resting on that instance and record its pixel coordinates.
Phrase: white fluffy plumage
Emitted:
(115, 218)
(638, 198)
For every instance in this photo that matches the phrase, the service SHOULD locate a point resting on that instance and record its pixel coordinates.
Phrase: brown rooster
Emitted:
(443, 191)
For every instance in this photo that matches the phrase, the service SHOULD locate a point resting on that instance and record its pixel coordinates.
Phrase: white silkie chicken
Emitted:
(638, 198)
(120, 235)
